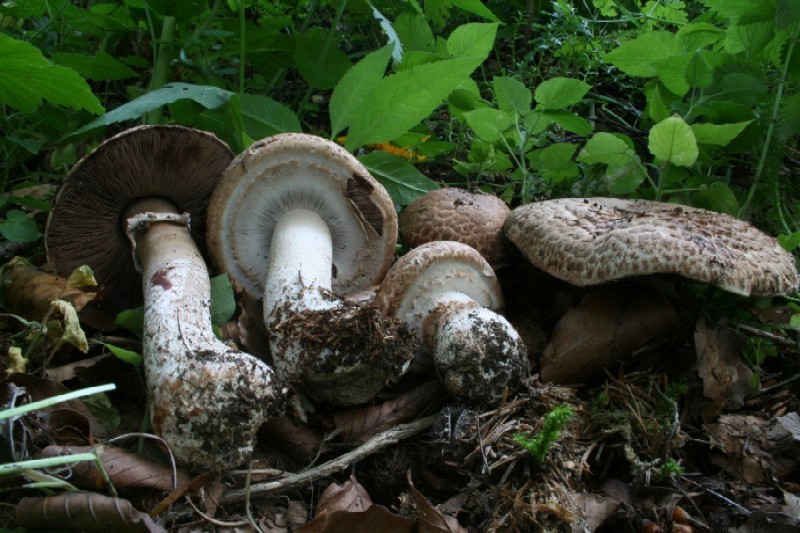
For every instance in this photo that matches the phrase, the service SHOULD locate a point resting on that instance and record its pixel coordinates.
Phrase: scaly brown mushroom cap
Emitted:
(87, 224)
(587, 241)
(450, 214)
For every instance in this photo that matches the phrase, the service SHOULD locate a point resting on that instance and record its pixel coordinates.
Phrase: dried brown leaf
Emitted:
(83, 511)
(32, 290)
(352, 497)
(358, 425)
(300, 442)
(595, 509)
(126, 470)
(609, 324)
(726, 379)
(376, 518)
(430, 519)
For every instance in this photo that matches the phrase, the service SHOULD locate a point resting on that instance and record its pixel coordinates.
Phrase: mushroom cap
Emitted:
(298, 171)
(411, 287)
(87, 226)
(587, 241)
(449, 214)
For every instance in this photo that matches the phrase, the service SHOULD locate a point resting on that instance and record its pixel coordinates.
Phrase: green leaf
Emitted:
(223, 303)
(476, 7)
(208, 97)
(718, 197)
(19, 227)
(401, 101)
(414, 32)
(100, 67)
(625, 178)
(262, 116)
(659, 101)
(511, 95)
(671, 72)
(789, 117)
(559, 93)
(750, 39)
(698, 72)
(698, 35)
(569, 121)
(605, 148)
(130, 357)
(27, 78)
(353, 89)
(400, 178)
(132, 320)
(636, 57)
(321, 63)
(489, 124)
(739, 11)
(787, 14)
(718, 134)
(790, 242)
(555, 162)
(183, 10)
(672, 141)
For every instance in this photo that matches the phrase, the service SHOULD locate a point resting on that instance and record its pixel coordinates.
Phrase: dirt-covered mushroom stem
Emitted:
(450, 297)
(206, 399)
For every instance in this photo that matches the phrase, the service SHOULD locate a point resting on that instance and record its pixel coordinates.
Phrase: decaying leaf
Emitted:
(358, 425)
(32, 290)
(126, 470)
(726, 379)
(299, 441)
(595, 509)
(347, 508)
(430, 519)
(83, 511)
(608, 325)
(16, 362)
(757, 449)
(71, 333)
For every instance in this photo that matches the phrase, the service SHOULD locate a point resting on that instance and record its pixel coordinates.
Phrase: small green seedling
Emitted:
(553, 425)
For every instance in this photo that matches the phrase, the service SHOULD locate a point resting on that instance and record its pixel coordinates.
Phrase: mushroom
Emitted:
(449, 214)
(587, 241)
(143, 187)
(299, 221)
(450, 297)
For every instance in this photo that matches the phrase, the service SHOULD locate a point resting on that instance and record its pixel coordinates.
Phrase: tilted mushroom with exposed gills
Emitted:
(299, 221)
(587, 241)
(144, 187)
(450, 297)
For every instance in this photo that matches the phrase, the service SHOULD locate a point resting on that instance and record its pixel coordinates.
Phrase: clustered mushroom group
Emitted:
(297, 222)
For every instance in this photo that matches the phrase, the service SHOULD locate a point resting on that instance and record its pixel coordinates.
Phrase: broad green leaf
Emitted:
(744, 88)
(476, 7)
(262, 116)
(560, 93)
(132, 320)
(751, 39)
(27, 78)
(672, 141)
(414, 32)
(625, 178)
(790, 242)
(130, 357)
(698, 35)
(208, 97)
(511, 95)
(636, 57)
(569, 121)
(30, 145)
(19, 227)
(99, 67)
(659, 101)
(787, 14)
(401, 101)
(321, 63)
(743, 11)
(718, 197)
(183, 10)
(671, 72)
(698, 72)
(718, 134)
(605, 148)
(352, 90)
(489, 124)
(789, 118)
(555, 162)
(400, 178)
(223, 304)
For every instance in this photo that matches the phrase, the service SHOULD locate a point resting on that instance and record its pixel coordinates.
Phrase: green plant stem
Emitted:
(241, 45)
(776, 105)
(161, 67)
(33, 406)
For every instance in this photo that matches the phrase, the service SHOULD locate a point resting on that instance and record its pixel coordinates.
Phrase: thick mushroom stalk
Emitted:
(206, 399)
(298, 221)
(450, 297)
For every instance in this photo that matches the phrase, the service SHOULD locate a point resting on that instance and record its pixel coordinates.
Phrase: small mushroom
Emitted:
(206, 399)
(450, 297)
(299, 221)
(450, 214)
(587, 241)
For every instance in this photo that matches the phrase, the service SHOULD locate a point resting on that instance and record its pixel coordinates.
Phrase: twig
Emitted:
(376, 443)
(730, 502)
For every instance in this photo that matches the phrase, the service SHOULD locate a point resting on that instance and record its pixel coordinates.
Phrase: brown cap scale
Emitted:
(206, 400)
(298, 220)
(450, 297)
(449, 214)
(587, 241)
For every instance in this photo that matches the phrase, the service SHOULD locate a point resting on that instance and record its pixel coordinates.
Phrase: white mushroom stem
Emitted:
(206, 399)
(300, 262)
